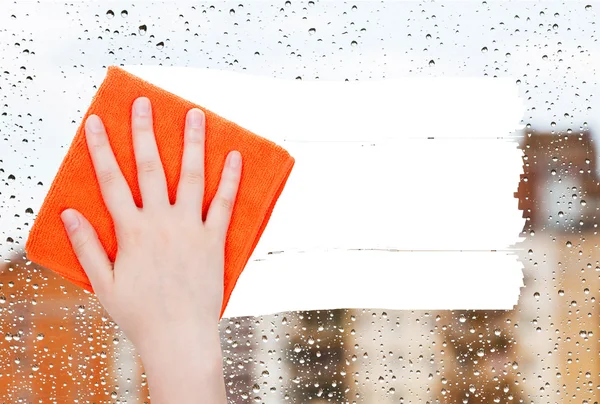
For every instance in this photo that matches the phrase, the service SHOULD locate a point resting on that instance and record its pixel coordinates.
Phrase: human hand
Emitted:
(168, 273)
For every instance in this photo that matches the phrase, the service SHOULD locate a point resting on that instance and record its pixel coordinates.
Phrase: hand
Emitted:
(167, 278)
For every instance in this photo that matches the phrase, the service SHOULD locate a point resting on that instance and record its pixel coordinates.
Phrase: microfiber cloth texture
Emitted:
(265, 170)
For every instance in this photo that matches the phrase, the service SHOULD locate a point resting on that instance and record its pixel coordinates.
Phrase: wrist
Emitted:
(180, 339)
(188, 364)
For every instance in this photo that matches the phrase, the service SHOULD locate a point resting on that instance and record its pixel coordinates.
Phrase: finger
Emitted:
(151, 175)
(221, 207)
(114, 187)
(190, 191)
(89, 251)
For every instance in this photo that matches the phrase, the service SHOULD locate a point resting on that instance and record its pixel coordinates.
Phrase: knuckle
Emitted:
(80, 243)
(148, 166)
(193, 177)
(225, 203)
(129, 236)
(195, 136)
(142, 124)
(106, 177)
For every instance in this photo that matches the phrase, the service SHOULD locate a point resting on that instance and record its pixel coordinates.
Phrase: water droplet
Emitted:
(113, 395)
(353, 43)
(297, 348)
(311, 340)
(583, 202)
(555, 27)
(588, 7)
(561, 292)
(428, 36)
(553, 172)
(110, 14)
(142, 29)
(124, 13)
(431, 63)
(480, 352)
(40, 337)
(569, 244)
(312, 31)
(231, 12)
(536, 295)
(160, 45)
(545, 57)
(484, 49)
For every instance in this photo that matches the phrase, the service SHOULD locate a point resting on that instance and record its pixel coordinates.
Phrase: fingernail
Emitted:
(195, 117)
(235, 159)
(70, 220)
(94, 124)
(142, 106)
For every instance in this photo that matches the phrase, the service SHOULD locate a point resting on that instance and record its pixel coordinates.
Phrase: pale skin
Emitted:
(165, 287)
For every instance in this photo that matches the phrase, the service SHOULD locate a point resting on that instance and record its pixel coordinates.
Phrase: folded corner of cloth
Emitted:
(266, 168)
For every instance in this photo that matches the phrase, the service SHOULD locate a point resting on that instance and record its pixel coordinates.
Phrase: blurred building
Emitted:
(56, 347)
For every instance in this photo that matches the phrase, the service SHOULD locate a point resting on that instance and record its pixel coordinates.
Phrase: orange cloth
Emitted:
(265, 170)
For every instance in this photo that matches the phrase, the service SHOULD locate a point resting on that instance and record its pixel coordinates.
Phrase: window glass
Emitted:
(59, 345)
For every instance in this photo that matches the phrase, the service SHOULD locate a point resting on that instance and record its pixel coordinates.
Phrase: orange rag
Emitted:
(265, 170)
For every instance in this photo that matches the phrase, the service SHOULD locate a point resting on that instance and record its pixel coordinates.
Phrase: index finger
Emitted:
(115, 190)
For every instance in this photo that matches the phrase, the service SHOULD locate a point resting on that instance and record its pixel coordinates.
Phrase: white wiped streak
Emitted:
(323, 280)
(402, 164)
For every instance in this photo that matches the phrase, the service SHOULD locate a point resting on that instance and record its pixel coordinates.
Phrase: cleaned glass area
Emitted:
(59, 344)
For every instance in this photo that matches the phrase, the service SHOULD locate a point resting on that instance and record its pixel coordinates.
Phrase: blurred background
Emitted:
(60, 345)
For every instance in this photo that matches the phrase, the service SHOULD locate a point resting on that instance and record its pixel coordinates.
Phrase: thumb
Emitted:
(89, 250)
